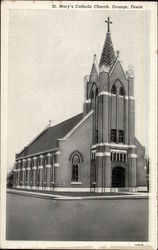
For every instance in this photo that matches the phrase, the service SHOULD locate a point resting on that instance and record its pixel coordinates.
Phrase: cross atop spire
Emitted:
(108, 23)
(108, 56)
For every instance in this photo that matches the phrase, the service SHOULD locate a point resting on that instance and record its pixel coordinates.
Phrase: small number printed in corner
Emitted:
(139, 244)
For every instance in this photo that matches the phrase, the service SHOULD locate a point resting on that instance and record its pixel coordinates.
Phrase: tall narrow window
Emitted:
(121, 91)
(37, 172)
(96, 135)
(75, 172)
(44, 171)
(113, 90)
(26, 172)
(92, 94)
(95, 174)
(31, 173)
(121, 136)
(94, 105)
(53, 168)
(26, 176)
(113, 135)
(96, 116)
(76, 160)
(75, 167)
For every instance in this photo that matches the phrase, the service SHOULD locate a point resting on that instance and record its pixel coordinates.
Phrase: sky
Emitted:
(50, 52)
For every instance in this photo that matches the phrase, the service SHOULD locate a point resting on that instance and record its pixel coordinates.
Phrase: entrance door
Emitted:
(118, 177)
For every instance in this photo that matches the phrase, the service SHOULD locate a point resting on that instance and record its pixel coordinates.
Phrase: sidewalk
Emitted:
(79, 196)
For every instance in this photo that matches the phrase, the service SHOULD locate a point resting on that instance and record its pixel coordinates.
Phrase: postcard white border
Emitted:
(147, 6)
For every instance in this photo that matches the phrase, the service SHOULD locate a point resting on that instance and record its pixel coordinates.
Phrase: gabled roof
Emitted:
(47, 140)
(77, 125)
(108, 56)
(117, 66)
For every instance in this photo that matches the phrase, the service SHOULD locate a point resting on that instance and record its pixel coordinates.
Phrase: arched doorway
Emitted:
(118, 177)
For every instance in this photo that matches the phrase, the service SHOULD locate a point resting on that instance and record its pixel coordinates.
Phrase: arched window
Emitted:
(44, 171)
(75, 167)
(94, 106)
(76, 159)
(26, 171)
(96, 116)
(31, 172)
(96, 92)
(37, 172)
(92, 94)
(20, 165)
(53, 160)
(75, 172)
(113, 90)
(117, 114)
(121, 91)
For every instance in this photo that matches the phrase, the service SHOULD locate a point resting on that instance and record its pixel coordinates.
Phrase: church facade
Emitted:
(93, 151)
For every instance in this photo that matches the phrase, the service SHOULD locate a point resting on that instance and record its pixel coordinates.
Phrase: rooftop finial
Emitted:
(108, 22)
(117, 52)
(94, 58)
(95, 64)
(130, 72)
(50, 122)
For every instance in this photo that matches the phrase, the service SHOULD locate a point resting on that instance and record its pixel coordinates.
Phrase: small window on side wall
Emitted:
(76, 158)
(121, 91)
(113, 90)
(75, 172)
(75, 167)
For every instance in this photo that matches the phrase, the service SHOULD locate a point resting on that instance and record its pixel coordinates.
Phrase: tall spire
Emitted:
(108, 56)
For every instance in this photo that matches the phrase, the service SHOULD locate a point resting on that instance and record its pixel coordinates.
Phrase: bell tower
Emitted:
(109, 93)
(107, 61)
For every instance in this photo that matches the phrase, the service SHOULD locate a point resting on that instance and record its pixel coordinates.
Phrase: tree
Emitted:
(10, 178)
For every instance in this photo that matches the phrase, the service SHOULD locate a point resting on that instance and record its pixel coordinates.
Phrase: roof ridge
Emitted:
(56, 131)
(66, 120)
(35, 138)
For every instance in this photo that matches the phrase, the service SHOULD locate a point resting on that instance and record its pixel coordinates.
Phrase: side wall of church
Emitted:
(79, 141)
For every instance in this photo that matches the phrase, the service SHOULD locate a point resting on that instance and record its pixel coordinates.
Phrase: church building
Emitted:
(95, 150)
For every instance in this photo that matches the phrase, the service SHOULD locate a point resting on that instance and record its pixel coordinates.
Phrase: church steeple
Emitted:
(108, 56)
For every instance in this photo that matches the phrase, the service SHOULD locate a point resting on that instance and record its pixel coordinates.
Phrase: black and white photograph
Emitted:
(79, 112)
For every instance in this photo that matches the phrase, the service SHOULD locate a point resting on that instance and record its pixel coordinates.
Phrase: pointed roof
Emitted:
(95, 66)
(108, 56)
